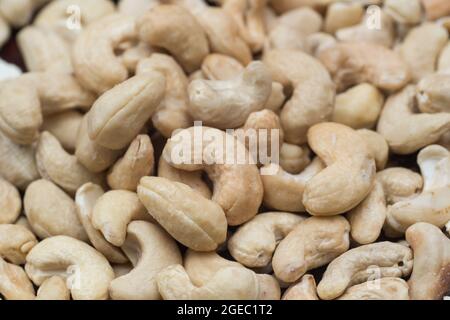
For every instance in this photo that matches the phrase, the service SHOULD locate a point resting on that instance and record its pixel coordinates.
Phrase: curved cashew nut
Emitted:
(399, 183)
(14, 283)
(431, 247)
(202, 266)
(294, 159)
(15, 243)
(237, 186)
(354, 63)
(284, 191)
(51, 212)
(26, 98)
(85, 200)
(56, 165)
(344, 270)
(88, 271)
(313, 243)
(90, 154)
(304, 289)
(53, 288)
(137, 162)
(95, 64)
(254, 243)
(113, 211)
(227, 103)
(230, 283)
(150, 249)
(118, 116)
(190, 218)
(367, 219)
(172, 113)
(10, 202)
(381, 289)
(313, 96)
(422, 60)
(187, 41)
(350, 171)
(433, 204)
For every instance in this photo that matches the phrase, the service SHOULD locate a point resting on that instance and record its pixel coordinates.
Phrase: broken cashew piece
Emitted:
(314, 242)
(150, 250)
(88, 271)
(368, 259)
(429, 280)
(350, 171)
(254, 243)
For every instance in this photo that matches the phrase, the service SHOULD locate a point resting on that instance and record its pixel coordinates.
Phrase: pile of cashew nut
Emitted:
(94, 206)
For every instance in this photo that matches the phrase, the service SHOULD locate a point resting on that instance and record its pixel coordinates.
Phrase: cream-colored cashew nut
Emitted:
(95, 63)
(17, 163)
(237, 184)
(304, 289)
(354, 63)
(113, 211)
(53, 288)
(399, 183)
(85, 200)
(422, 59)
(433, 204)
(380, 289)
(313, 243)
(87, 271)
(254, 243)
(406, 131)
(172, 113)
(284, 191)
(378, 146)
(55, 164)
(227, 104)
(430, 278)
(51, 212)
(15, 243)
(185, 214)
(313, 91)
(230, 283)
(367, 219)
(185, 40)
(404, 11)
(433, 93)
(150, 250)
(350, 171)
(137, 162)
(10, 202)
(359, 107)
(118, 116)
(294, 159)
(14, 283)
(364, 262)
(341, 15)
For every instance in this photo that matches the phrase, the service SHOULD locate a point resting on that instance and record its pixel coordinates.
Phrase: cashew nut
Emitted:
(15, 243)
(64, 126)
(404, 11)
(434, 93)
(53, 288)
(14, 283)
(380, 289)
(10, 202)
(399, 183)
(88, 272)
(294, 159)
(313, 243)
(378, 146)
(436, 8)
(342, 15)
(305, 289)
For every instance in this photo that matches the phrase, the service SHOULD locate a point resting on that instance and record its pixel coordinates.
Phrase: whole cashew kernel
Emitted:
(62, 255)
(150, 249)
(313, 243)
(51, 212)
(113, 211)
(14, 283)
(254, 243)
(343, 271)
(185, 40)
(399, 183)
(429, 279)
(15, 243)
(227, 104)
(342, 15)
(185, 214)
(350, 171)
